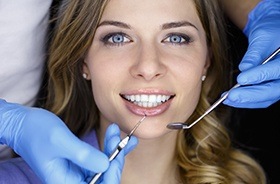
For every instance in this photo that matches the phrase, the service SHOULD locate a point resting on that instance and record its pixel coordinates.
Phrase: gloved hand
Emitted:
(262, 30)
(112, 138)
(53, 152)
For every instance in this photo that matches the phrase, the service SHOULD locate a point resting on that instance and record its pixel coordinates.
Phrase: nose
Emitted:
(149, 64)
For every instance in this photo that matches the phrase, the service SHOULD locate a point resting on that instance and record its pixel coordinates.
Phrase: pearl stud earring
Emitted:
(203, 77)
(85, 76)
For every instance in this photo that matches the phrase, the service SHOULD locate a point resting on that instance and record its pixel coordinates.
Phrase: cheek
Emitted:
(189, 98)
(103, 68)
(99, 89)
(100, 81)
(189, 88)
(105, 78)
(107, 65)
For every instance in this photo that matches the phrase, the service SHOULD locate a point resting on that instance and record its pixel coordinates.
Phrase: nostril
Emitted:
(157, 74)
(149, 73)
(148, 68)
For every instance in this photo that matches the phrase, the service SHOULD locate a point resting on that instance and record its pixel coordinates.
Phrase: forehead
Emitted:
(152, 12)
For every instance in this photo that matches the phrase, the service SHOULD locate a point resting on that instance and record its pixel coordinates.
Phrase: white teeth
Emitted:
(144, 100)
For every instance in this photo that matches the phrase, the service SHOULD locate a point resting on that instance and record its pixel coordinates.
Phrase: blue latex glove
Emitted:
(112, 139)
(54, 153)
(47, 145)
(263, 32)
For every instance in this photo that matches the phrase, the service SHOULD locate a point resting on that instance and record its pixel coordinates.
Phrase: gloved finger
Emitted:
(113, 174)
(111, 145)
(261, 73)
(9, 113)
(252, 105)
(262, 43)
(132, 143)
(254, 55)
(111, 141)
(255, 96)
(112, 138)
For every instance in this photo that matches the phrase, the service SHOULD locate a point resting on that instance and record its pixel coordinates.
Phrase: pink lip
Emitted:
(148, 111)
(148, 91)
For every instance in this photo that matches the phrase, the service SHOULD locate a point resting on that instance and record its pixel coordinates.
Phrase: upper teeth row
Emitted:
(147, 98)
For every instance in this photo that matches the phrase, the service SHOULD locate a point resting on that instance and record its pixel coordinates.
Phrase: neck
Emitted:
(152, 161)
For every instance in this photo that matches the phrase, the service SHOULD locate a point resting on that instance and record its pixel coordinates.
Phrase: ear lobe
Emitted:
(207, 64)
(85, 72)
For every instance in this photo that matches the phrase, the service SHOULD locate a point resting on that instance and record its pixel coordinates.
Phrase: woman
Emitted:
(113, 61)
(162, 49)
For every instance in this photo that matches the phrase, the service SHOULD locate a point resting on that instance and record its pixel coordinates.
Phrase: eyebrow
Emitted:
(114, 23)
(164, 26)
(177, 24)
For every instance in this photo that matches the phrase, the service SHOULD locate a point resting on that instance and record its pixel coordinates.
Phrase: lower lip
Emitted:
(147, 111)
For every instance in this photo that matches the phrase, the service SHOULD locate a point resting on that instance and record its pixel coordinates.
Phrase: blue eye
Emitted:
(177, 39)
(116, 39)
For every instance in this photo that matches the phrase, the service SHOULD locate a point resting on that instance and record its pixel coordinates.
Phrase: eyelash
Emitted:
(182, 38)
(109, 39)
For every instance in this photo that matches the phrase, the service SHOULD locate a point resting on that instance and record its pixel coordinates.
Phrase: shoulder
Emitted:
(16, 170)
(91, 138)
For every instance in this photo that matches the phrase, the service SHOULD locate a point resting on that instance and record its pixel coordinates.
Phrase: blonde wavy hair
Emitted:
(205, 154)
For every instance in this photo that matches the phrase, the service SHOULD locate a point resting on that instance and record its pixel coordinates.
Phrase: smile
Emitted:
(145, 100)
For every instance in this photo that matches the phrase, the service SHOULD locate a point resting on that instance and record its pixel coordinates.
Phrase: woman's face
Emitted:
(147, 57)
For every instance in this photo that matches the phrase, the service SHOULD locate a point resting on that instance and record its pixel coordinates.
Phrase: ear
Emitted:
(207, 63)
(86, 71)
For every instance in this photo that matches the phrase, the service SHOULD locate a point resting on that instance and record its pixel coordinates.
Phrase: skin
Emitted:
(147, 61)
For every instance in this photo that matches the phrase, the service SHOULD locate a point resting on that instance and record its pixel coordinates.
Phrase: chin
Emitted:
(153, 132)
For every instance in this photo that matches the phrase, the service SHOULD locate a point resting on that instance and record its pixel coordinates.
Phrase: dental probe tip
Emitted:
(137, 125)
